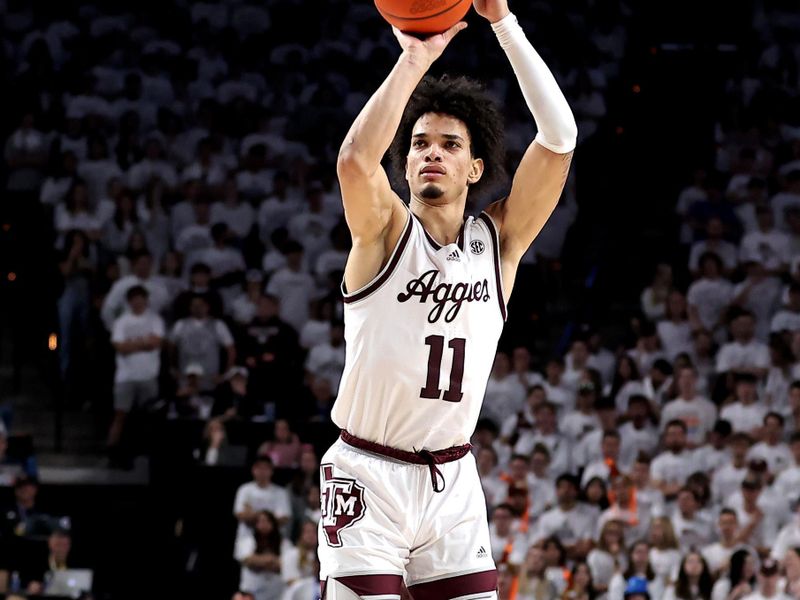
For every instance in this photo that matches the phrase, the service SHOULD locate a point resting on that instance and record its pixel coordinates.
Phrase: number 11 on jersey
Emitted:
(453, 392)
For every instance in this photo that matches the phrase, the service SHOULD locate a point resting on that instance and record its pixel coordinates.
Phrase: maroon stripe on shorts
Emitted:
(453, 587)
(369, 585)
(438, 456)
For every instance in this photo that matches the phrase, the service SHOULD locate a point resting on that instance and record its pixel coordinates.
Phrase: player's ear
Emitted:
(475, 170)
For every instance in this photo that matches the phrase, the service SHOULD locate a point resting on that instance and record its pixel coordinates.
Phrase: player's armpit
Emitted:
(535, 192)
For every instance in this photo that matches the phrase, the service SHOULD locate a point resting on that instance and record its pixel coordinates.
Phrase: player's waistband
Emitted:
(420, 457)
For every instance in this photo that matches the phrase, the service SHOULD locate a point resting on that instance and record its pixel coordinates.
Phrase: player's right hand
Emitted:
(430, 48)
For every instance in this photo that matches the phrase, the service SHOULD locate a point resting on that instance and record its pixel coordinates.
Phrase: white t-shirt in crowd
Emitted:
(239, 218)
(699, 415)
(570, 526)
(778, 457)
(710, 297)
(273, 498)
(295, 290)
(669, 467)
(726, 481)
(137, 366)
(744, 417)
(725, 250)
(735, 355)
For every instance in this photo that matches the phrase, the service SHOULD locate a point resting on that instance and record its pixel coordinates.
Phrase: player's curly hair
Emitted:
(466, 100)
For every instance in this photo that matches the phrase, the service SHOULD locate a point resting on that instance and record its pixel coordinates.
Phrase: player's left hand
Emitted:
(491, 10)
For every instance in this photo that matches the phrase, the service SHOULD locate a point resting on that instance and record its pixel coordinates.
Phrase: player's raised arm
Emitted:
(543, 170)
(369, 202)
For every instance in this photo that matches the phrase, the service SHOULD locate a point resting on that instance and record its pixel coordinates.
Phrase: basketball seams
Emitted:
(388, 15)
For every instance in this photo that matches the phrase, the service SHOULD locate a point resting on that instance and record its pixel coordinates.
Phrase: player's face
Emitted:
(440, 165)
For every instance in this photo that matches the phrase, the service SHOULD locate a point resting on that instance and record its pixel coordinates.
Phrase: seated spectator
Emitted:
(216, 450)
(581, 586)
(137, 337)
(41, 568)
(694, 580)
(672, 467)
(521, 424)
(505, 395)
(607, 556)
(76, 213)
(533, 583)
(768, 583)
(284, 449)
(326, 360)
(674, 331)
(718, 554)
(191, 400)
(638, 433)
(573, 521)
(788, 317)
(759, 524)
(608, 466)
(697, 412)
(258, 550)
(293, 286)
(508, 544)
(760, 294)
(625, 510)
(789, 535)
(714, 243)
(299, 561)
(647, 350)
(595, 494)
(772, 449)
(225, 261)
(637, 565)
(740, 578)
(555, 389)
(709, 296)
(744, 354)
(745, 413)
(198, 339)
(22, 516)
(788, 481)
(654, 297)
(260, 495)
(626, 382)
(727, 477)
(195, 236)
(690, 524)
(665, 556)
(766, 245)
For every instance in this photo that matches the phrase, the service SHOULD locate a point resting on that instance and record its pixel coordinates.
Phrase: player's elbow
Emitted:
(352, 164)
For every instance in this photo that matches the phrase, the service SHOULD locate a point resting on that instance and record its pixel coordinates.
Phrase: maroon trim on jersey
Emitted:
(436, 245)
(385, 273)
(496, 246)
(368, 585)
(453, 587)
(420, 457)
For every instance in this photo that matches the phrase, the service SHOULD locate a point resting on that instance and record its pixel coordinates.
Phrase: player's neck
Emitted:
(442, 222)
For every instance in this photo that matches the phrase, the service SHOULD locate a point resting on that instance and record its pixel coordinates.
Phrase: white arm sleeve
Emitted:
(558, 131)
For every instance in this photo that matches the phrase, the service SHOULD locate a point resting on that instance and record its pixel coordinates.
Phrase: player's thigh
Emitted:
(364, 527)
(454, 558)
(124, 395)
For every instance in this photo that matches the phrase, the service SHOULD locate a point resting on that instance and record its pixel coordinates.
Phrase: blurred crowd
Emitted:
(186, 161)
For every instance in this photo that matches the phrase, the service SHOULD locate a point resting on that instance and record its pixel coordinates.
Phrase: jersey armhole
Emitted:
(495, 236)
(386, 272)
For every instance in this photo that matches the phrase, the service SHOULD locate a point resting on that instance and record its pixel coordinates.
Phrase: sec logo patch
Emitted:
(477, 247)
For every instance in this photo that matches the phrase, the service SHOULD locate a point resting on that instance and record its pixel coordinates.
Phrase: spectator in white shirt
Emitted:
(260, 494)
(697, 412)
(638, 432)
(326, 360)
(237, 215)
(674, 331)
(772, 449)
(293, 286)
(760, 294)
(225, 260)
(768, 583)
(767, 245)
(718, 554)
(787, 483)
(571, 521)
(505, 395)
(744, 354)
(690, 525)
(136, 336)
(789, 535)
(508, 544)
(728, 477)
(141, 274)
(198, 339)
(746, 413)
(671, 468)
(243, 308)
(709, 296)
(716, 244)
(154, 164)
(654, 297)
(788, 318)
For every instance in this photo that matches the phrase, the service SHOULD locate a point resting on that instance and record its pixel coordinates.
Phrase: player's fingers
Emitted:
(451, 33)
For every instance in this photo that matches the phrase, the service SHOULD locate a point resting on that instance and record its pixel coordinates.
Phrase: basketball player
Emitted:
(425, 292)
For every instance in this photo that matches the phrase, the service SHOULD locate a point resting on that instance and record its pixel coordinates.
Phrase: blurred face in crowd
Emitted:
(546, 419)
(553, 371)
(138, 304)
(540, 462)
(266, 308)
(675, 438)
(640, 555)
(308, 461)
(610, 447)
(580, 354)
(282, 432)
(686, 382)
(518, 469)
(308, 535)
(621, 487)
(262, 473)
(142, 266)
(486, 460)
(687, 503)
(773, 429)
(502, 519)
(739, 448)
(536, 397)
(640, 473)
(676, 305)
(566, 493)
(595, 491)
(746, 392)
(638, 413)
(522, 359)
(198, 308)
(581, 576)
(534, 561)
(502, 365)
(60, 545)
(693, 564)
(552, 553)
(743, 328)
(728, 525)
(263, 524)
(26, 494)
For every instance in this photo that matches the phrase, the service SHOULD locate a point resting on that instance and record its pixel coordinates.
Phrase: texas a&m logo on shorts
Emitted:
(342, 502)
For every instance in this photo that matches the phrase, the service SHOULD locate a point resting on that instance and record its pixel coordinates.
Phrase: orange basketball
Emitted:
(423, 16)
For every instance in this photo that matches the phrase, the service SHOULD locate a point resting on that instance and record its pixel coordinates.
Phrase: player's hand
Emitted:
(429, 49)
(491, 10)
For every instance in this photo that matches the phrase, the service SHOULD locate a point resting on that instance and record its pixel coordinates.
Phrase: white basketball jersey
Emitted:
(421, 340)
